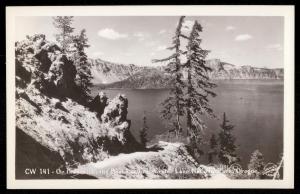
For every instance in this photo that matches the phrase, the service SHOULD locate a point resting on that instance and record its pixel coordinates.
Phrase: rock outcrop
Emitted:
(99, 103)
(71, 129)
(55, 124)
(42, 62)
(32, 155)
(114, 118)
(62, 74)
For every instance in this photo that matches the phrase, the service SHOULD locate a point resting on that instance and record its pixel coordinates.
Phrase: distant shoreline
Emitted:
(106, 86)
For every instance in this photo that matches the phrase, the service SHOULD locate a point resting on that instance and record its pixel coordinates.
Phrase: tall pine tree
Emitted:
(198, 87)
(83, 76)
(65, 30)
(172, 107)
(143, 131)
(227, 153)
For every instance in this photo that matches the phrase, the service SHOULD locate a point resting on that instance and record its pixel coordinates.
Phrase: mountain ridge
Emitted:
(114, 75)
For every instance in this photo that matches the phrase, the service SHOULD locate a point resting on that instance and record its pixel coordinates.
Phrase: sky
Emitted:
(240, 40)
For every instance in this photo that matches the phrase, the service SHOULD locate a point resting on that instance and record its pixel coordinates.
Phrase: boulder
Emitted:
(43, 51)
(116, 111)
(99, 103)
(114, 118)
(62, 73)
(42, 56)
(22, 72)
(51, 47)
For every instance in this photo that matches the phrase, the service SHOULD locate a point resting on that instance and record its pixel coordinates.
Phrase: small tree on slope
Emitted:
(256, 165)
(64, 26)
(172, 107)
(212, 148)
(227, 153)
(143, 131)
(198, 87)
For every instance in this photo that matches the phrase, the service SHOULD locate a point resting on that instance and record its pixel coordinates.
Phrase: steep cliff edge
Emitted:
(105, 72)
(131, 76)
(51, 123)
(223, 70)
(147, 78)
(71, 129)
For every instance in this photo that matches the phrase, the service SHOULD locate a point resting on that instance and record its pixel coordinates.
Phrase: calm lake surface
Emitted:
(254, 107)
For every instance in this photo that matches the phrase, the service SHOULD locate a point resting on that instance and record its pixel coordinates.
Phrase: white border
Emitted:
(286, 11)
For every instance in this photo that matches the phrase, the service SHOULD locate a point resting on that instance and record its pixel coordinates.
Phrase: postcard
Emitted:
(150, 97)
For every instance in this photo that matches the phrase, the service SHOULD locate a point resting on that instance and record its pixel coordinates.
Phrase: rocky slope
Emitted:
(57, 132)
(54, 123)
(147, 78)
(104, 72)
(222, 70)
(167, 161)
(131, 76)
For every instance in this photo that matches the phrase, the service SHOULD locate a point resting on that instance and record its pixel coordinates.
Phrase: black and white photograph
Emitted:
(191, 97)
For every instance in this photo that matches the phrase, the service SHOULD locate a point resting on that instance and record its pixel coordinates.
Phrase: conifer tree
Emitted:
(172, 107)
(143, 131)
(212, 145)
(227, 153)
(256, 165)
(198, 86)
(83, 76)
(65, 30)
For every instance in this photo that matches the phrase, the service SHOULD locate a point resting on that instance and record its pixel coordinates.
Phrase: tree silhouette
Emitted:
(198, 86)
(143, 131)
(256, 165)
(227, 153)
(212, 151)
(83, 76)
(172, 106)
(64, 26)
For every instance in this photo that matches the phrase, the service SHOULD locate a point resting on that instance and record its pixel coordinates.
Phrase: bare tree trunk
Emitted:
(64, 40)
(278, 168)
(178, 123)
(189, 118)
(177, 93)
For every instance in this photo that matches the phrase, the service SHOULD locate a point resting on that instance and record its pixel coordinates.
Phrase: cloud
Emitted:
(230, 28)
(162, 31)
(161, 48)
(141, 36)
(151, 43)
(274, 47)
(152, 53)
(97, 54)
(111, 34)
(243, 37)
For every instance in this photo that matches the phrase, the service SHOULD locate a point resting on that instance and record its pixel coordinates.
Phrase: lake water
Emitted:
(254, 107)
